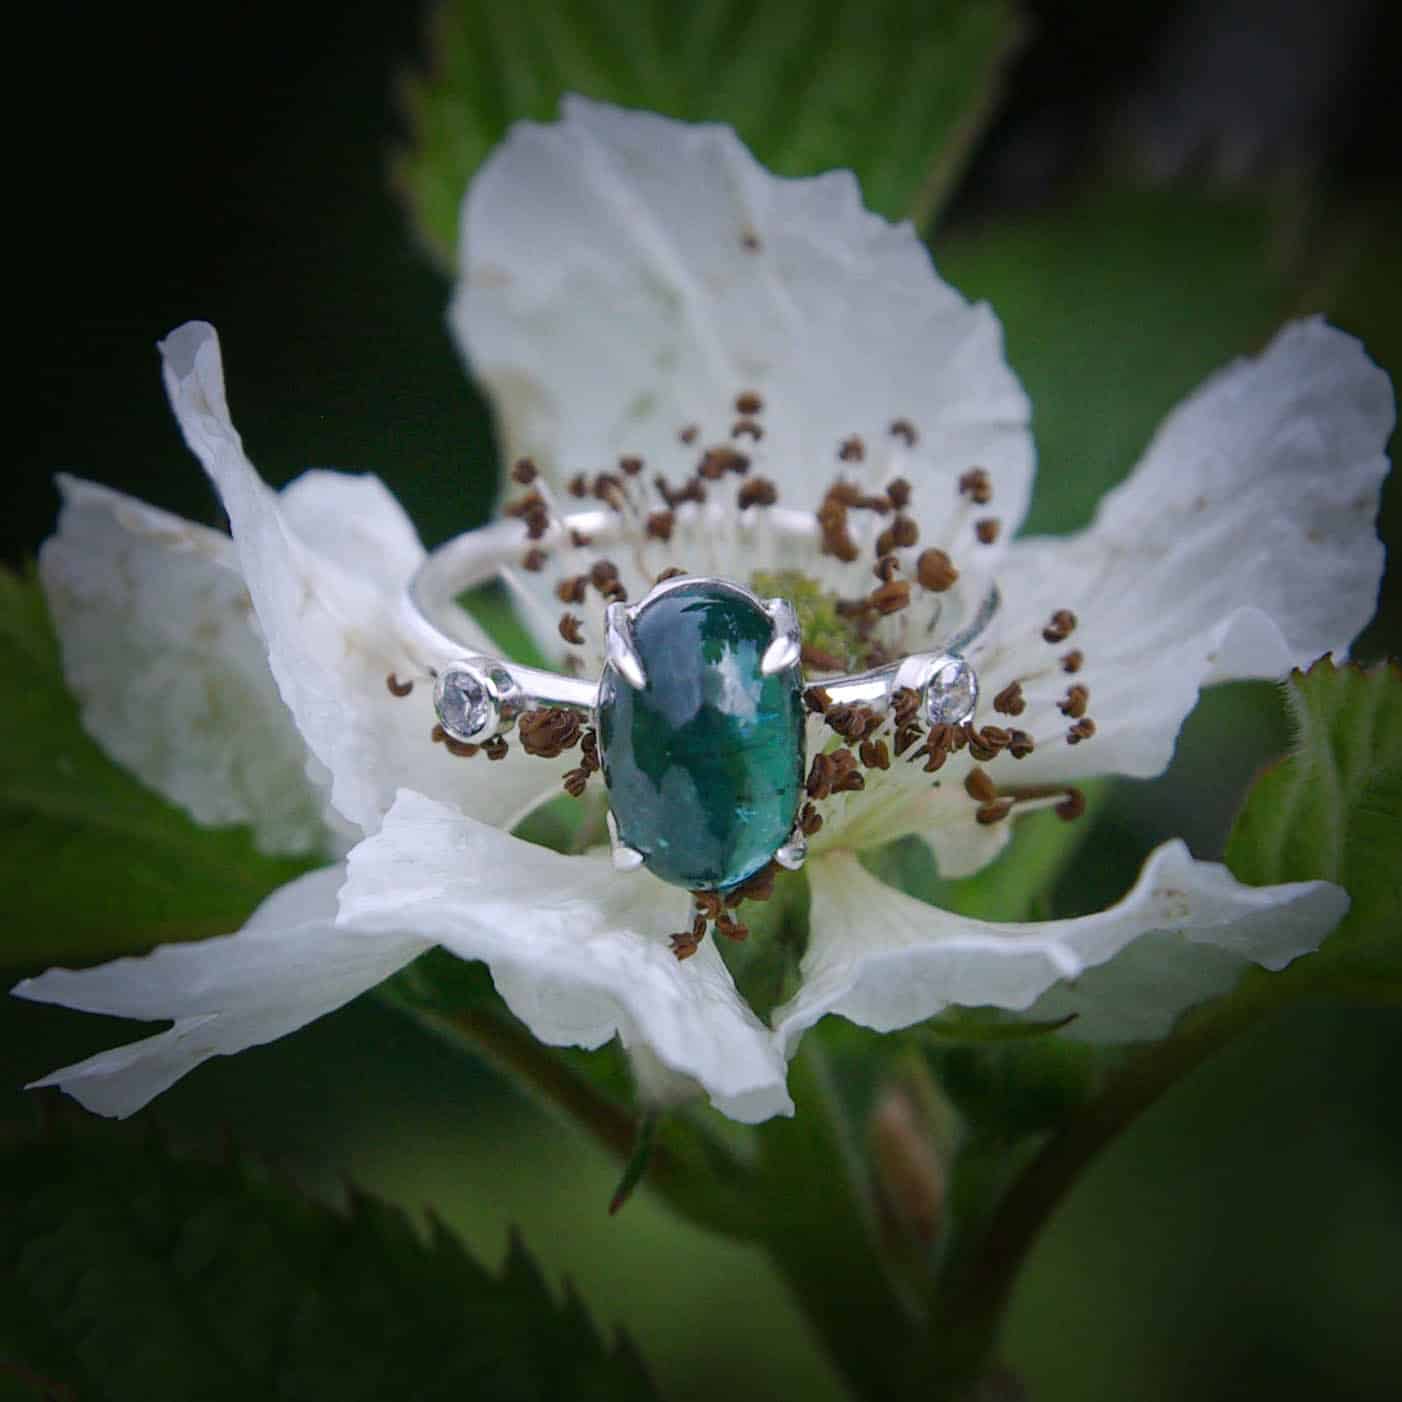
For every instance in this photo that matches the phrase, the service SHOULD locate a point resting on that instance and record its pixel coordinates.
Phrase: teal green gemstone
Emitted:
(704, 764)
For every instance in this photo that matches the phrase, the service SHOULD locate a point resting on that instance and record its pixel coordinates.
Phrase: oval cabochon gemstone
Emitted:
(704, 764)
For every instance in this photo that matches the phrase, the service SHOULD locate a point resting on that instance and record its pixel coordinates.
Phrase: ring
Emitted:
(700, 709)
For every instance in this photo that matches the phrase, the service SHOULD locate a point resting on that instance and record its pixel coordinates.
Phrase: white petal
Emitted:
(162, 652)
(288, 966)
(1244, 544)
(886, 960)
(325, 566)
(626, 275)
(578, 951)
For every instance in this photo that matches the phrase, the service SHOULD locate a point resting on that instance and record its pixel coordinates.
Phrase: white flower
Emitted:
(637, 289)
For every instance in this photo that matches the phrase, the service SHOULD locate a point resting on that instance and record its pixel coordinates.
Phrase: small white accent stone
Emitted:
(950, 695)
(462, 703)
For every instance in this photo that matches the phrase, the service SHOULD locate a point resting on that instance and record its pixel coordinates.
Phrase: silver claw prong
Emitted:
(786, 642)
(618, 641)
(625, 858)
(792, 855)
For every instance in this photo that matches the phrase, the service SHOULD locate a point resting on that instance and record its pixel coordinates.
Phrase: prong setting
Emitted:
(786, 646)
(622, 654)
(625, 858)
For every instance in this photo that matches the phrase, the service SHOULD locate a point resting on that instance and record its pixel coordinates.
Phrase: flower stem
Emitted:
(820, 1232)
(700, 1178)
(971, 1292)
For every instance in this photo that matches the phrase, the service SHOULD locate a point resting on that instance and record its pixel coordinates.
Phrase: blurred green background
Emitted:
(1165, 184)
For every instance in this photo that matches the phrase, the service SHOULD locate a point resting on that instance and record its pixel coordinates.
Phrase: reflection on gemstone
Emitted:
(950, 695)
(704, 764)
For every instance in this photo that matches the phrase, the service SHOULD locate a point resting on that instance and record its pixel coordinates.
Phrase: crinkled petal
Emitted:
(886, 960)
(579, 952)
(626, 275)
(285, 968)
(161, 650)
(325, 566)
(1244, 544)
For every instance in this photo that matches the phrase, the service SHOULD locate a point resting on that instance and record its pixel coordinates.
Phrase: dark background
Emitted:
(231, 164)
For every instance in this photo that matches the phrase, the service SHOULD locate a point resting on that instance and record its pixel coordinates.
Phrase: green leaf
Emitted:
(129, 1274)
(897, 90)
(91, 863)
(1332, 811)
(1115, 306)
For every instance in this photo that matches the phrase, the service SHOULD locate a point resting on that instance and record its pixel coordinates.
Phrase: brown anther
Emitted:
(578, 539)
(810, 821)
(549, 732)
(1072, 661)
(750, 241)
(874, 754)
(934, 756)
(523, 470)
(746, 428)
(660, 524)
(575, 782)
(438, 735)
(995, 812)
(534, 560)
(685, 944)
(820, 776)
(732, 929)
(819, 660)
(716, 462)
(495, 748)
(905, 737)
(905, 702)
(1060, 626)
(608, 488)
(1010, 701)
(886, 568)
(978, 785)
(603, 573)
(589, 748)
(903, 428)
(852, 449)
(891, 597)
(460, 748)
(1072, 806)
(614, 592)
(709, 903)
(1020, 744)
(397, 687)
(1082, 730)
(1074, 705)
(571, 589)
(525, 505)
(935, 570)
(817, 700)
(898, 493)
(975, 484)
(847, 778)
(960, 735)
(578, 485)
(537, 523)
(995, 737)
(756, 491)
(902, 532)
(671, 572)
(570, 629)
(630, 466)
(987, 530)
(758, 887)
(688, 434)
(747, 402)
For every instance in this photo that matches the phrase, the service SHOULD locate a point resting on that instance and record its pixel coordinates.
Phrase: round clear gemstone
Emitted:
(463, 704)
(951, 693)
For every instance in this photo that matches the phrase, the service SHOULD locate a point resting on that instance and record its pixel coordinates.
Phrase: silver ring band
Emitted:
(431, 616)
